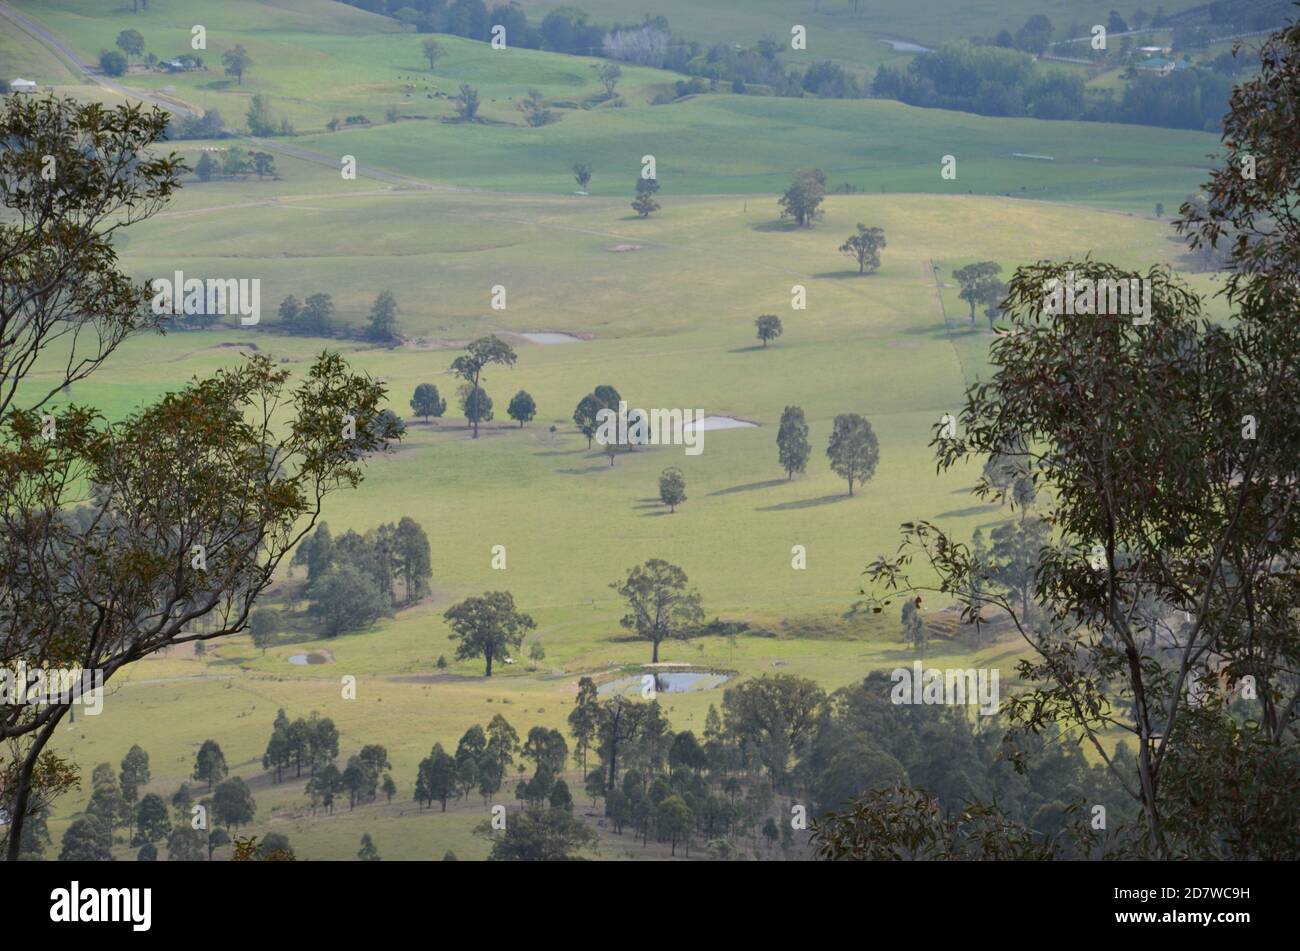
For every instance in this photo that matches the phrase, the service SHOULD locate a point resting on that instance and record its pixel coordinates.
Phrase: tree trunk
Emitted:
(489, 664)
(19, 817)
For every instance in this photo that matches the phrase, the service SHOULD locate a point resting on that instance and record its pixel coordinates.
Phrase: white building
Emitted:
(22, 85)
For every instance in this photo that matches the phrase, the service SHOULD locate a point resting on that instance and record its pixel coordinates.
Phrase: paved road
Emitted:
(178, 108)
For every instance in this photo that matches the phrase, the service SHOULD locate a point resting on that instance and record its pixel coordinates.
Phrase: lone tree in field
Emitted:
(582, 174)
(259, 456)
(426, 402)
(130, 42)
(672, 488)
(466, 102)
(237, 62)
(979, 285)
(769, 328)
(644, 204)
(589, 407)
(535, 111)
(487, 627)
(522, 409)
(263, 164)
(113, 63)
(659, 604)
(584, 416)
(865, 247)
(792, 441)
(853, 449)
(802, 200)
(610, 74)
(383, 318)
(469, 366)
(914, 630)
(432, 52)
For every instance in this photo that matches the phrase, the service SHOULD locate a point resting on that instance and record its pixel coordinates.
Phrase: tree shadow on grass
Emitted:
(234, 661)
(757, 346)
(560, 452)
(804, 503)
(662, 511)
(840, 275)
(750, 487)
(972, 510)
(929, 330)
(775, 225)
(586, 471)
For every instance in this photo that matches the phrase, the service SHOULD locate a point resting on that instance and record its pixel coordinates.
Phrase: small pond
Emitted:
(302, 660)
(682, 681)
(902, 46)
(545, 338)
(721, 422)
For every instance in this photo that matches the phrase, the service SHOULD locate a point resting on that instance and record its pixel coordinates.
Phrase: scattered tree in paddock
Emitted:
(792, 444)
(980, 285)
(853, 449)
(383, 319)
(659, 604)
(487, 627)
(802, 200)
(865, 247)
(432, 52)
(522, 409)
(769, 327)
(672, 487)
(426, 402)
(469, 367)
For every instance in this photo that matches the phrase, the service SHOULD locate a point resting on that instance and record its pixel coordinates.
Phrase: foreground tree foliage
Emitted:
(116, 537)
(903, 823)
(1165, 603)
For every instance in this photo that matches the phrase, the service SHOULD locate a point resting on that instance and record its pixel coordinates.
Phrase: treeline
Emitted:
(354, 580)
(993, 81)
(315, 317)
(780, 742)
(235, 162)
(192, 828)
(648, 43)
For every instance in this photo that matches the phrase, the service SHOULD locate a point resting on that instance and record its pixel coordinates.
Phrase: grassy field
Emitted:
(672, 326)
(666, 308)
